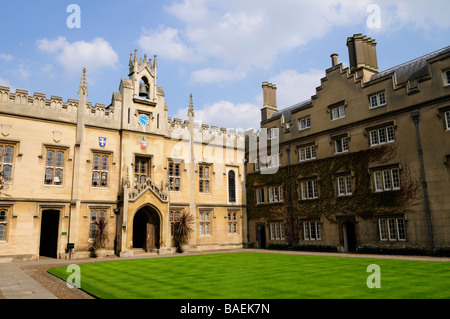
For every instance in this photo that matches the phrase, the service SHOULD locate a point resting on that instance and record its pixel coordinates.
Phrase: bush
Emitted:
(303, 247)
(443, 251)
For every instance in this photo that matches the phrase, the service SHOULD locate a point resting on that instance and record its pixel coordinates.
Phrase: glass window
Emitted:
(100, 165)
(3, 223)
(54, 170)
(231, 186)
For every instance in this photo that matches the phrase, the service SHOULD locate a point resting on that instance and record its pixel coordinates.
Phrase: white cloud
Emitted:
(6, 57)
(165, 42)
(240, 117)
(211, 75)
(294, 87)
(74, 56)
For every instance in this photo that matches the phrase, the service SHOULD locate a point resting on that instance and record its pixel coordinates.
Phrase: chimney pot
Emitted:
(334, 59)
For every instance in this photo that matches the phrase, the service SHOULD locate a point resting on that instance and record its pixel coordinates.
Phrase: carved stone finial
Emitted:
(83, 83)
(191, 107)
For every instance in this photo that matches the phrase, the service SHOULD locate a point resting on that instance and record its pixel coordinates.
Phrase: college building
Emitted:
(68, 164)
(363, 165)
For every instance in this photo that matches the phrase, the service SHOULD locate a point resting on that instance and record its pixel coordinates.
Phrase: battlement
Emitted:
(53, 108)
(206, 134)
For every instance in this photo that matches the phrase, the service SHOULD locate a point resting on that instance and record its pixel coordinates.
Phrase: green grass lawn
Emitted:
(261, 276)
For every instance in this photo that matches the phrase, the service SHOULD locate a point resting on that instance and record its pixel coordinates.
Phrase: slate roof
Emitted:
(408, 71)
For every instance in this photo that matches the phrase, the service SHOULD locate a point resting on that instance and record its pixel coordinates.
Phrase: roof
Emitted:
(408, 71)
(411, 70)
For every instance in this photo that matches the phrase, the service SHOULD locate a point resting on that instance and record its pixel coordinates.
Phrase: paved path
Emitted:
(15, 283)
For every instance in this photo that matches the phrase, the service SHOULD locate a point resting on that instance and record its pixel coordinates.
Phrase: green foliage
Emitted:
(303, 247)
(182, 230)
(100, 238)
(363, 201)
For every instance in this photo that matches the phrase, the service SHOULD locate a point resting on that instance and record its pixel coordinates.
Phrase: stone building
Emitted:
(69, 163)
(364, 163)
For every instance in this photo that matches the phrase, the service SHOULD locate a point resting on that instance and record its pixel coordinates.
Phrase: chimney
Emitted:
(270, 100)
(363, 56)
(334, 59)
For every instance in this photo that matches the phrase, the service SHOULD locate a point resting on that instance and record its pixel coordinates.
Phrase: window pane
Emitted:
(313, 151)
(390, 134)
(318, 231)
(206, 172)
(59, 159)
(373, 138)
(104, 163)
(306, 230)
(3, 216)
(395, 178)
(58, 177)
(401, 229)
(447, 118)
(200, 171)
(334, 113)
(341, 111)
(373, 101)
(231, 186)
(7, 171)
(8, 156)
(341, 186)
(302, 154)
(383, 229)
(48, 176)
(392, 229)
(104, 180)
(386, 180)
(2, 232)
(382, 135)
(382, 98)
(307, 153)
(50, 161)
(312, 227)
(206, 186)
(378, 181)
(348, 180)
(207, 232)
(95, 179)
(96, 162)
(345, 144)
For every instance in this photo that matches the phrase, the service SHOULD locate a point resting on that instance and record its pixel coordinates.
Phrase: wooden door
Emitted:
(150, 242)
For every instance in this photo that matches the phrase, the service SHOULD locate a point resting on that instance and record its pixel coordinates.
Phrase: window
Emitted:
(96, 216)
(341, 145)
(311, 230)
(382, 135)
(309, 189)
(392, 229)
(141, 170)
(276, 231)
(446, 77)
(377, 100)
(273, 133)
(205, 224)
(174, 216)
(3, 224)
(275, 194)
(6, 162)
(231, 186)
(307, 153)
(175, 176)
(54, 167)
(344, 185)
(338, 112)
(259, 195)
(447, 120)
(100, 166)
(387, 179)
(232, 222)
(203, 173)
(304, 124)
(273, 161)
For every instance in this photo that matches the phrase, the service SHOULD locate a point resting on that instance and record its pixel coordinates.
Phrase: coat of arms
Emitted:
(143, 143)
(102, 141)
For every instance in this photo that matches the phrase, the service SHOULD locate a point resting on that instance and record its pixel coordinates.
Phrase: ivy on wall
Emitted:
(363, 202)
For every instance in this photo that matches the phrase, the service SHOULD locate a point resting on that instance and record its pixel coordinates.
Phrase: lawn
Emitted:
(261, 276)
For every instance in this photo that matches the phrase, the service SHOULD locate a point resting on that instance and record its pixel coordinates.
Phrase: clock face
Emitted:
(143, 119)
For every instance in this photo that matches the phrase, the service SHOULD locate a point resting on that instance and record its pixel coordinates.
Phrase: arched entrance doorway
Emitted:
(146, 229)
(48, 245)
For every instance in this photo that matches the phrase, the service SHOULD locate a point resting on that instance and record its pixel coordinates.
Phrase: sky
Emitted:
(218, 51)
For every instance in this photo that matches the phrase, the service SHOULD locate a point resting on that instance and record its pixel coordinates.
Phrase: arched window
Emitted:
(231, 187)
(54, 163)
(144, 89)
(100, 163)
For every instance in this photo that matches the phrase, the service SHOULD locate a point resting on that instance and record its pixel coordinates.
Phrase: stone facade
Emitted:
(67, 164)
(334, 187)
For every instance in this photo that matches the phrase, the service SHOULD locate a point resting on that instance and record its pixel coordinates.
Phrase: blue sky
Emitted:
(220, 51)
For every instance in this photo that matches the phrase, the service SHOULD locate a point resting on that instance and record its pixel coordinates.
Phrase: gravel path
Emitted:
(57, 286)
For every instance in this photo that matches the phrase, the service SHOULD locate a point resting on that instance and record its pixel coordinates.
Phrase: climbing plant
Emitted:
(363, 201)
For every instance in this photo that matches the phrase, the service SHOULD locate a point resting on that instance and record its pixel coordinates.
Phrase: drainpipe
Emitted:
(415, 116)
(246, 204)
(291, 215)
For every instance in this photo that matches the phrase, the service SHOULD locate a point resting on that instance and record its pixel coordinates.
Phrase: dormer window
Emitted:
(377, 100)
(338, 112)
(144, 88)
(446, 77)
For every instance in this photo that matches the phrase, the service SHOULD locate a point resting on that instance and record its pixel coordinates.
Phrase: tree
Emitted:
(182, 230)
(100, 236)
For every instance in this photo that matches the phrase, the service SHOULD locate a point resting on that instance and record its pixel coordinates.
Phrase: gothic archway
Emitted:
(147, 229)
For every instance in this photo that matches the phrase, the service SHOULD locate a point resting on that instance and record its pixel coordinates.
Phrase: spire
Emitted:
(155, 63)
(83, 83)
(191, 108)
